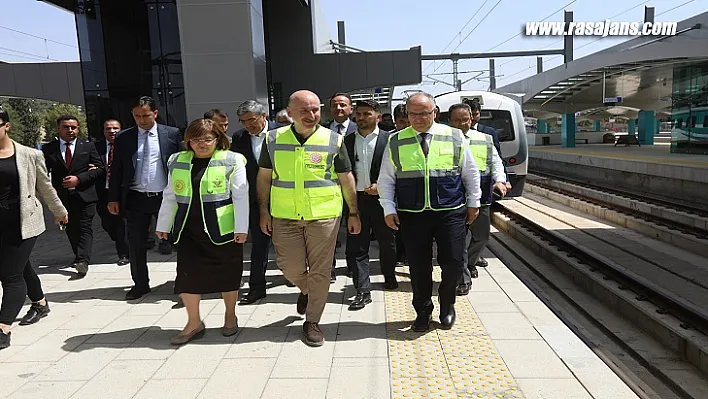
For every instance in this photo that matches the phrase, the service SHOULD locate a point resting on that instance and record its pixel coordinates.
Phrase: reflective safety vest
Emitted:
(432, 183)
(305, 185)
(481, 146)
(214, 192)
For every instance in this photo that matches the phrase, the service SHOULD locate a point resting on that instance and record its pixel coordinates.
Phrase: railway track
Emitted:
(690, 220)
(668, 304)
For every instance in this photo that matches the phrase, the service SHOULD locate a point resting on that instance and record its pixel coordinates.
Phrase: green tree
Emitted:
(50, 116)
(26, 122)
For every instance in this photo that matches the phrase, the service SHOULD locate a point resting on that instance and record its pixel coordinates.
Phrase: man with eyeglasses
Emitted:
(249, 141)
(430, 186)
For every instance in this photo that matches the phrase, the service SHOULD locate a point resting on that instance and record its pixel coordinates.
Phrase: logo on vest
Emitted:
(218, 183)
(179, 186)
(315, 158)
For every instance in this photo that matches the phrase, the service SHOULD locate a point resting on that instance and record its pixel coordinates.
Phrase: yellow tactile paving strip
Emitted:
(457, 363)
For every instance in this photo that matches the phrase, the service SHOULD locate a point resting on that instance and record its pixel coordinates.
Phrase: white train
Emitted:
(503, 114)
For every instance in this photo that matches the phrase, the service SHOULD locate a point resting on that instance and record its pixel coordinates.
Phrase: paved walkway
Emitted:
(94, 344)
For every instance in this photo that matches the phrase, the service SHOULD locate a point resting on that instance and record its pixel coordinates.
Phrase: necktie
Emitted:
(424, 143)
(109, 163)
(145, 172)
(67, 155)
(340, 128)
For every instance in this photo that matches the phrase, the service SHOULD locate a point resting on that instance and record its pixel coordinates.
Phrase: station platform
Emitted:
(650, 169)
(505, 344)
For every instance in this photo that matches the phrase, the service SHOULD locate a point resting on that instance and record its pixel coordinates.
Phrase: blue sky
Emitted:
(45, 33)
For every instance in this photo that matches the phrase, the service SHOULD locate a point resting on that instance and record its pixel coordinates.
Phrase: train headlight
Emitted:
(512, 160)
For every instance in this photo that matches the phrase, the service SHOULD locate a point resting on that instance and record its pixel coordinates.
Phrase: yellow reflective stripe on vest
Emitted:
(481, 146)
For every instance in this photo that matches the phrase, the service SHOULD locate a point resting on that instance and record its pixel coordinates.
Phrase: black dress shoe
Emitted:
(136, 293)
(288, 283)
(390, 283)
(473, 271)
(447, 317)
(360, 301)
(165, 248)
(35, 313)
(302, 304)
(123, 260)
(462, 289)
(422, 322)
(332, 277)
(481, 262)
(252, 297)
(4, 339)
(82, 268)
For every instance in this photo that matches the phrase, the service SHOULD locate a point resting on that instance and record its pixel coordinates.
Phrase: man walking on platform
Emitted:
(305, 172)
(114, 225)
(429, 184)
(492, 174)
(138, 178)
(75, 165)
(365, 149)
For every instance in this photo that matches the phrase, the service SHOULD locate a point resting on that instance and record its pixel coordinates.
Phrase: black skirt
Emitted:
(202, 266)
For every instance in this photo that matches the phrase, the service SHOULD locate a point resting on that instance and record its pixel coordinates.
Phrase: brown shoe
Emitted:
(181, 339)
(313, 334)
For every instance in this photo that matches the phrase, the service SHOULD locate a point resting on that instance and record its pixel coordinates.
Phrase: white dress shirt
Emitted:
(155, 181)
(62, 148)
(345, 126)
(239, 196)
(257, 141)
(364, 148)
(386, 183)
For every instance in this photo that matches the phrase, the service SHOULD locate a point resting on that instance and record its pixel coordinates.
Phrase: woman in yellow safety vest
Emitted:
(205, 209)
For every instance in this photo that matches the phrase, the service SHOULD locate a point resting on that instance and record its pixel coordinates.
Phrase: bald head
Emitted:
(304, 109)
(421, 111)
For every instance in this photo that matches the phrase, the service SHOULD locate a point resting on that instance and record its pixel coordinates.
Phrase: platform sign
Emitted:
(612, 100)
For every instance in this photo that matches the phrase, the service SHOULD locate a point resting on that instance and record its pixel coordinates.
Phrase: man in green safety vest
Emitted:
(304, 173)
(429, 184)
(492, 177)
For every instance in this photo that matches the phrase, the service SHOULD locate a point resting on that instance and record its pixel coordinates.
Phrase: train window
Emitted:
(679, 122)
(499, 120)
(693, 121)
(705, 121)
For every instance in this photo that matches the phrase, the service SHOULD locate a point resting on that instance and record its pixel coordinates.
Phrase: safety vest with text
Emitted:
(433, 182)
(304, 183)
(214, 192)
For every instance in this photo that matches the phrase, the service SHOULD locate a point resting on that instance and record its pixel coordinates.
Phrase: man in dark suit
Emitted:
(366, 148)
(476, 115)
(248, 142)
(138, 177)
(340, 108)
(75, 165)
(114, 225)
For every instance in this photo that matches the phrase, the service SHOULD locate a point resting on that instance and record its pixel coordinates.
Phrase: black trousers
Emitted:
(260, 245)
(14, 261)
(114, 225)
(79, 230)
(372, 218)
(447, 228)
(139, 210)
(400, 248)
(477, 238)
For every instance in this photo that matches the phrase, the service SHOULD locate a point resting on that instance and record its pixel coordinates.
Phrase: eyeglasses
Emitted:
(203, 141)
(420, 114)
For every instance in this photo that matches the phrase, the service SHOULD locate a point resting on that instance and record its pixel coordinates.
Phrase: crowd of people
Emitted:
(402, 179)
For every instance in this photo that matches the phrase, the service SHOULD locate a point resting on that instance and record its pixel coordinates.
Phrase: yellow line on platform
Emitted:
(458, 363)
